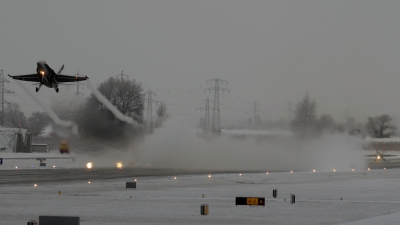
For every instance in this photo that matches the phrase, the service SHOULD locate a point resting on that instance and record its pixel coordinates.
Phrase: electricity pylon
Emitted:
(149, 108)
(254, 110)
(207, 113)
(3, 91)
(216, 113)
(122, 75)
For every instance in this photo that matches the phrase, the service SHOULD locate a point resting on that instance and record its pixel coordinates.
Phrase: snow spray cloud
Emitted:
(51, 113)
(110, 106)
(177, 145)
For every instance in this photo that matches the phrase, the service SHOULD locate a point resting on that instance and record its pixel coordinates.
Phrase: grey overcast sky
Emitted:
(344, 53)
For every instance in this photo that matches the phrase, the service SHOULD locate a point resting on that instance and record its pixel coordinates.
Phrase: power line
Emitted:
(216, 113)
(239, 106)
(122, 75)
(3, 91)
(237, 114)
(149, 108)
(207, 113)
(149, 99)
(254, 110)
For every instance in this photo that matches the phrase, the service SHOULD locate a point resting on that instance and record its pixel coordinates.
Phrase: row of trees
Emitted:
(94, 119)
(307, 124)
(14, 117)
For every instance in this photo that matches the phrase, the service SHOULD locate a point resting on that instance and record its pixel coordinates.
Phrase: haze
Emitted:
(344, 53)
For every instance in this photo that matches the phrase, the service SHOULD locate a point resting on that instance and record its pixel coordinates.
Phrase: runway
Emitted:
(19, 176)
(61, 175)
(388, 164)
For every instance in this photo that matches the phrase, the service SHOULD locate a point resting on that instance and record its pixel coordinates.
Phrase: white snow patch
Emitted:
(163, 200)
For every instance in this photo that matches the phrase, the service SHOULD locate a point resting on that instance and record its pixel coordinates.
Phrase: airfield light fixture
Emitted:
(119, 165)
(291, 171)
(35, 185)
(89, 165)
(334, 170)
(174, 178)
(369, 169)
(89, 182)
(135, 180)
(267, 173)
(313, 171)
(352, 170)
(209, 176)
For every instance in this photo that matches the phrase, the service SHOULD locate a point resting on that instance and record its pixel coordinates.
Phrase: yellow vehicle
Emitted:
(64, 148)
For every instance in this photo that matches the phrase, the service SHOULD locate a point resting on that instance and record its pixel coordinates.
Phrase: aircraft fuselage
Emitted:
(47, 75)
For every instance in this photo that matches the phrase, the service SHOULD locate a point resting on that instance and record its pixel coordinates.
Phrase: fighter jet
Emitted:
(46, 76)
(379, 156)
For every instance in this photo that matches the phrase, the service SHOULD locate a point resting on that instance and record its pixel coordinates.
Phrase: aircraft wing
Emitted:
(68, 78)
(374, 155)
(29, 77)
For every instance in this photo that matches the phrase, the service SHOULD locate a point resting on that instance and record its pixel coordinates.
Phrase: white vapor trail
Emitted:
(51, 113)
(110, 106)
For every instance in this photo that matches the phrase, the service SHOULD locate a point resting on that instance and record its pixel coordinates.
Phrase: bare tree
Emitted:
(14, 117)
(162, 111)
(305, 120)
(326, 123)
(381, 126)
(97, 121)
(126, 95)
(161, 114)
(37, 122)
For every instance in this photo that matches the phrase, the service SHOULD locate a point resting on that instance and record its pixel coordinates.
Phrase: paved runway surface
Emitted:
(58, 175)
(388, 164)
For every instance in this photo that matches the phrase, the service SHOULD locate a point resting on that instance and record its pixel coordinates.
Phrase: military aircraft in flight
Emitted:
(46, 76)
(380, 156)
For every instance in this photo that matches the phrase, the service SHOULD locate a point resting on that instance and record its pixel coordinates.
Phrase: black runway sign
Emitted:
(250, 201)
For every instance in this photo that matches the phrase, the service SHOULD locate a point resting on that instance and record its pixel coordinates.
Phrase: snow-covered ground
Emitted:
(321, 198)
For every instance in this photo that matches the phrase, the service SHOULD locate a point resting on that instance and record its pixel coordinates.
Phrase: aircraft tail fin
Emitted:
(61, 69)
